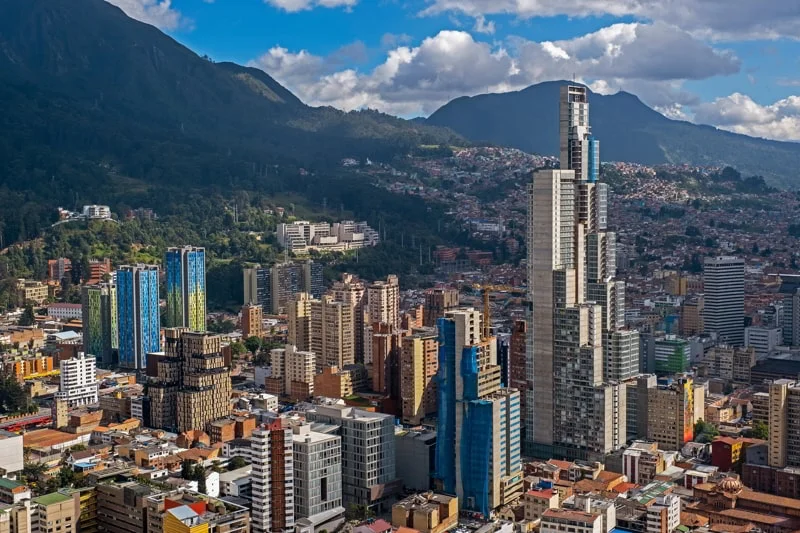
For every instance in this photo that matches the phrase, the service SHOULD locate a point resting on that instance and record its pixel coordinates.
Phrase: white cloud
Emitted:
(650, 59)
(739, 113)
(484, 26)
(159, 13)
(718, 19)
(293, 6)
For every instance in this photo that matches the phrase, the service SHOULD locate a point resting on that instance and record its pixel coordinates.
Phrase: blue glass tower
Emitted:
(593, 172)
(139, 321)
(186, 288)
(446, 424)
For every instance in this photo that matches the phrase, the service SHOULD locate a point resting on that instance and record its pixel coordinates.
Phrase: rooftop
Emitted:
(52, 498)
(573, 516)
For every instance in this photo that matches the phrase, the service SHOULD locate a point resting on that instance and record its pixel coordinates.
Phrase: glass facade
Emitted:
(138, 314)
(186, 288)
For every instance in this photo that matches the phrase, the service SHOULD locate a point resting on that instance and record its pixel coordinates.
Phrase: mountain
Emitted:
(628, 131)
(97, 106)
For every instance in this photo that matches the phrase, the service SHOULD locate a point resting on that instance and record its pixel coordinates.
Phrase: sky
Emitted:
(734, 64)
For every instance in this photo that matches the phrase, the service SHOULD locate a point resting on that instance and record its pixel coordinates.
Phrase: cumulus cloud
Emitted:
(159, 13)
(739, 113)
(641, 58)
(293, 6)
(484, 26)
(718, 19)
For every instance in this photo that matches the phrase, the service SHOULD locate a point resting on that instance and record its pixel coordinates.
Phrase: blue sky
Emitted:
(730, 63)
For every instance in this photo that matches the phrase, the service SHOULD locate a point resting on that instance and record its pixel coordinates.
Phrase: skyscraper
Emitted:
(383, 302)
(437, 303)
(723, 314)
(419, 362)
(273, 479)
(139, 321)
(332, 333)
(351, 290)
(186, 288)
(100, 327)
(276, 287)
(576, 345)
(478, 432)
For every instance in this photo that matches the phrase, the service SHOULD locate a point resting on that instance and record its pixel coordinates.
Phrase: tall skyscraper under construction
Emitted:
(578, 350)
(186, 288)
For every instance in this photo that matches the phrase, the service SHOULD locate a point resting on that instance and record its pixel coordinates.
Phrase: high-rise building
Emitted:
(730, 363)
(723, 313)
(100, 326)
(671, 413)
(293, 373)
(763, 339)
(352, 291)
(332, 332)
(383, 302)
(790, 315)
(189, 384)
(273, 479)
(691, 316)
(672, 355)
(276, 287)
(299, 333)
(369, 475)
(784, 424)
(385, 343)
(139, 320)
(577, 348)
(317, 461)
(78, 381)
(419, 363)
(437, 303)
(252, 321)
(478, 431)
(122, 507)
(186, 288)
(516, 364)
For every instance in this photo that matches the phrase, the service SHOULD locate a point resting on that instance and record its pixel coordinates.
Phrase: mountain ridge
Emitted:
(627, 128)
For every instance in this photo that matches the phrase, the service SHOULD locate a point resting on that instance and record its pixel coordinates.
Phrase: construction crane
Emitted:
(487, 313)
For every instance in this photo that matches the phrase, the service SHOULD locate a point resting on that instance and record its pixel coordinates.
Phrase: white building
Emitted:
(11, 452)
(97, 212)
(368, 454)
(273, 479)
(723, 312)
(237, 483)
(302, 235)
(665, 507)
(317, 472)
(563, 520)
(78, 381)
(65, 311)
(763, 340)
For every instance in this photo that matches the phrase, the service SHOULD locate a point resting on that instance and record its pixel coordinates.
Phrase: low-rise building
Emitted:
(561, 520)
(427, 512)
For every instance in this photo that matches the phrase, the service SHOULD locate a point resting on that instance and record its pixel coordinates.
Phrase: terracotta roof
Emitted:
(624, 487)
(545, 493)
(563, 465)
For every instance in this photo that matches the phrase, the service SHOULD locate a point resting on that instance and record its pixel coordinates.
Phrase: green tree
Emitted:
(237, 462)
(705, 432)
(760, 430)
(238, 349)
(200, 477)
(28, 318)
(186, 469)
(253, 344)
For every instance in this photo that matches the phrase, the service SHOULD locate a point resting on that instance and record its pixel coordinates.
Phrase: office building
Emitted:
(636, 412)
(723, 313)
(252, 321)
(299, 328)
(139, 320)
(437, 303)
(273, 484)
(186, 288)
(577, 347)
(368, 455)
(478, 431)
(416, 457)
(100, 327)
(730, 363)
(383, 302)
(317, 459)
(691, 316)
(122, 508)
(55, 512)
(293, 373)
(516, 364)
(789, 319)
(78, 381)
(671, 413)
(189, 384)
(672, 355)
(332, 332)
(419, 363)
(276, 287)
(351, 291)
(763, 339)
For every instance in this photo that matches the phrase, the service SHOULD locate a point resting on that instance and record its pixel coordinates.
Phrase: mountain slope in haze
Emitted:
(628, 131)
